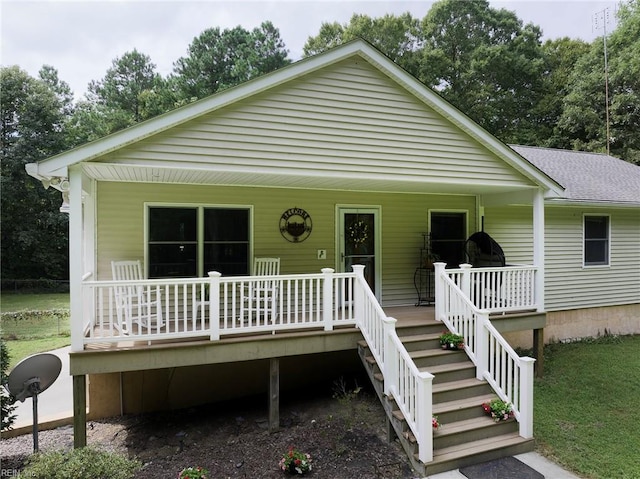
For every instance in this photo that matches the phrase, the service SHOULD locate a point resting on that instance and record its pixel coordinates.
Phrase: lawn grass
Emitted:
(27, 333)
(10, 302)
(587, 407)
(18, 350)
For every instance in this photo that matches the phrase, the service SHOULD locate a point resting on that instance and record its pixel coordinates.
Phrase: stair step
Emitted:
(426, 358)
(421, 341)
(469, 430)
(421, 326)
(460, 409)
(478, 451)
(461, 389)
(469, 425)
(451, 371)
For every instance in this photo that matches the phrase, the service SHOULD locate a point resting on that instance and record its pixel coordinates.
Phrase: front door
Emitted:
(359, 243)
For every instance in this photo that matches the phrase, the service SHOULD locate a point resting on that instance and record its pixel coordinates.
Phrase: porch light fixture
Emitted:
(64, 207)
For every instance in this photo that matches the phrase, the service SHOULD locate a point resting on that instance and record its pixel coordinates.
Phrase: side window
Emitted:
(596, 240)
(448, 234)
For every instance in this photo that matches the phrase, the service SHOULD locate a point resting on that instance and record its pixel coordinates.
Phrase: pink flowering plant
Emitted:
(498, 409)
(295, 462)
(435, 423)
(193, 473)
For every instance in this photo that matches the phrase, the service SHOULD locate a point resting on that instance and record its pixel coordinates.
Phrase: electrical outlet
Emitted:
(322, 254)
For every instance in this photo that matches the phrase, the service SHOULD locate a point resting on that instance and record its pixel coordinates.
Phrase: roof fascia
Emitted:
(592, 204)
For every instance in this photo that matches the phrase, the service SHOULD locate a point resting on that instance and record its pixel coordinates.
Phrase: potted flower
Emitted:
(498, 409)
(435, 423)
(295, 462)
(451, 341)
(193, 473)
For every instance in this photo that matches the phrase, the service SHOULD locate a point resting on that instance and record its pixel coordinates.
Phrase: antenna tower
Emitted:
(601, 20)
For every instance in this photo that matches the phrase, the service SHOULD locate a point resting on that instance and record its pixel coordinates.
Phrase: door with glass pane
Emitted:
(359, 242)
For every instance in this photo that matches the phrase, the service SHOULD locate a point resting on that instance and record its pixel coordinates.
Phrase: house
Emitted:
(358, 178)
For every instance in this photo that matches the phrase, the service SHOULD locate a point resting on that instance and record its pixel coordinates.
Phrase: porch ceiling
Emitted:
(311, 180)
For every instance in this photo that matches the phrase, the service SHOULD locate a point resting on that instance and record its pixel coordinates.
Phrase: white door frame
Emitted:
(341, 210)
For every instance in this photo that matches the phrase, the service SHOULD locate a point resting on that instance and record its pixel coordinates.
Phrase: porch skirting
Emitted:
(583, 323)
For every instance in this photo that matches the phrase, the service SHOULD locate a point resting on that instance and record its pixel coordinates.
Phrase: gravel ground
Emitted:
(345, 437)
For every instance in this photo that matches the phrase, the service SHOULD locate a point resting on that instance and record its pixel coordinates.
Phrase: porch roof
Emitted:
(588, 177)
(92, 155)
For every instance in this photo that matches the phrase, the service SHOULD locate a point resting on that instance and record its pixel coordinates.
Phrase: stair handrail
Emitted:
(510, 375)
(410, 388)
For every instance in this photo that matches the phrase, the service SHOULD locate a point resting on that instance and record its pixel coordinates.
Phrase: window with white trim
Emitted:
(448, 234)
(596, 240)
(190, 241)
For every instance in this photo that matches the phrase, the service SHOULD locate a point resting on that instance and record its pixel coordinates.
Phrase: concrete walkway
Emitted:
(532, 459)
(55, 403)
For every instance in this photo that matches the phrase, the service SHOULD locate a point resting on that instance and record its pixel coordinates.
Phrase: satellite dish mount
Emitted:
(30, 377)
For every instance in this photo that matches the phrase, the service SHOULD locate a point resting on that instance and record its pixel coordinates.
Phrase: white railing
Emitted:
(213, 307)
(509, 375)
(497, 290)
(409, 387)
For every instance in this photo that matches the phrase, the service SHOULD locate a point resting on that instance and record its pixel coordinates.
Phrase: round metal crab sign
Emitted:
(295, 225)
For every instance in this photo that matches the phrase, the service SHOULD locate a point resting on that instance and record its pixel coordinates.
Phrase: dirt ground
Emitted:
(343, 430)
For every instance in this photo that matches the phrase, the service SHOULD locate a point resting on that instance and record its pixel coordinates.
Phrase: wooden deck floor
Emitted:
(405, 316)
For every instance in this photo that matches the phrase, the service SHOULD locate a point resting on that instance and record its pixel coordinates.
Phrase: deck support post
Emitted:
(391, 432)
(79, 411)
(274, 394)
(538, 351)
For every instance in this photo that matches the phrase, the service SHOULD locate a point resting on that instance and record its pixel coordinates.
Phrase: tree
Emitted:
(8, 416)
(560, 57)
(398, 37)
(221, 59)
(485, 63)
(625, 81)
(34, 232)
(583, 122)
(125, 85)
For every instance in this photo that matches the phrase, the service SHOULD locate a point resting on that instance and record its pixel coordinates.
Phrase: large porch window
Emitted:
(190, 241)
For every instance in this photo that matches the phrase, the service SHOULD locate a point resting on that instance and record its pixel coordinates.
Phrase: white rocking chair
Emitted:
(135, 304)
(260, 297)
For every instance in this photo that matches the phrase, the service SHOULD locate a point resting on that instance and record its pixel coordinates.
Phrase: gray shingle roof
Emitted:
(593, 177)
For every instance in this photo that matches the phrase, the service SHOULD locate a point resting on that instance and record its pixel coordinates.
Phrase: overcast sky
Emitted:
(81, 38)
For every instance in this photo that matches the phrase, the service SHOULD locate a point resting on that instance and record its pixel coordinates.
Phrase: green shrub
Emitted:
(8, 418)
(34, 324)
(84, 463)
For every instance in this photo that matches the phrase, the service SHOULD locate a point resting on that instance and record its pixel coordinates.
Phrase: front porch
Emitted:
(198, 322)
(134, 313)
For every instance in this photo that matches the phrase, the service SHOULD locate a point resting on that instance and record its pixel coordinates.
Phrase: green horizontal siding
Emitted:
(348, 118)
(404, 218)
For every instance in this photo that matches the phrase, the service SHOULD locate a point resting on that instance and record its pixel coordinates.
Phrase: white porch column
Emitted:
(76, 258)
(439, 290)
(538, 247)
(327, 298)
(214, 305)
(358, 293)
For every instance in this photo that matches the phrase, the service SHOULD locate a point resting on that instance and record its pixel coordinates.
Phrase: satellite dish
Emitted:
(30, 377)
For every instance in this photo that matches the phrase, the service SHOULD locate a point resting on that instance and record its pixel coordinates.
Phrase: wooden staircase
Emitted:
(467, 435)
